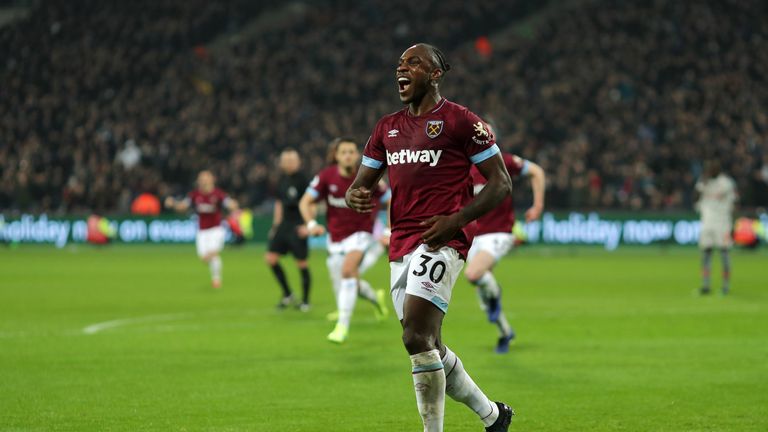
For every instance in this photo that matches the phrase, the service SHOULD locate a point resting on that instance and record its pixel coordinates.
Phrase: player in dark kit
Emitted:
(428, 148)
(208, 201)
(288, 234)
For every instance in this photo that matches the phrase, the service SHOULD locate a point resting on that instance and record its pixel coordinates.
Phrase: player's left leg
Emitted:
(478, 273)
(334, 262)
(485, 252)
(306, 283)
(209, 243)
(347, 295)
(358, 248)
(300, 251)
(372, 255)
(725, 258)
(706, 269)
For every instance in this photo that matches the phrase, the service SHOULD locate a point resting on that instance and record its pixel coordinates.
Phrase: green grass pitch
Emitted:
(606, 342)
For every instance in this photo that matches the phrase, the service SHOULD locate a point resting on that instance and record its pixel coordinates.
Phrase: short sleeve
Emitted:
(318, 187)
(190, 198)
(479, 141)
(374, 154)
(516, 166)
(222, 198)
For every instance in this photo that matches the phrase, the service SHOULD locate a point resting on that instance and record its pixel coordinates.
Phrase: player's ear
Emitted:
(436, 75)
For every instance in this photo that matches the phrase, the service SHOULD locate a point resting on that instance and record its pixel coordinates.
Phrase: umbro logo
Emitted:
(393, 133)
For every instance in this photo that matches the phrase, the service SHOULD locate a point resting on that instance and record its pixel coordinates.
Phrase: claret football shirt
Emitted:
(428, 158)
(502, 218)
(329, 185)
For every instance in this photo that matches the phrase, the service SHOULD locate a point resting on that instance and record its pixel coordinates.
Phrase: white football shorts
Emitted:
(496, 244)
(429, 275)
(210, 241)
(715, 236)
(359, 241)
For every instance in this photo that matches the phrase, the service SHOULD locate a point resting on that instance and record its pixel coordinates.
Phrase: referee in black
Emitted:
(288, 233)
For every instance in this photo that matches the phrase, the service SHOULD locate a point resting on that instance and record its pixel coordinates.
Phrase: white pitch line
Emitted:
(97, 327)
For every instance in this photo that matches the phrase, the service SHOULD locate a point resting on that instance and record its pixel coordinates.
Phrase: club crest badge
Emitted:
(482, 134)
(434, 128)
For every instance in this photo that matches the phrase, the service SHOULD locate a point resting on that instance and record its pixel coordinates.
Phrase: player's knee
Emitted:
(418, 341)
(348, 271)
(270, 259)
(472, 275)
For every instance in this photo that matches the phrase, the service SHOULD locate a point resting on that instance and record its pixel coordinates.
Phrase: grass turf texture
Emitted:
(606, 341)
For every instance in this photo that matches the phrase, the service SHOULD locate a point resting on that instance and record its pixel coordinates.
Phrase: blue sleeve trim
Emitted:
(312, 192)
(386, 197)
(485, 154)
(428, 367)
(372, 163)
(526, 167)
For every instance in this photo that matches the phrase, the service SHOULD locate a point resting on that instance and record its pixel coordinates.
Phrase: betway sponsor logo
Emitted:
(414, 156)
(338, 202)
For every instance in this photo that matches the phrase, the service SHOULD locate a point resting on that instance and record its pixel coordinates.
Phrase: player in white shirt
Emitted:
(717, 196)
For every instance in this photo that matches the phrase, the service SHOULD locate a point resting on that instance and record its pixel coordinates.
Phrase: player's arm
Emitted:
(538, 186)
(387, 200)
(231, 204)
(277, 218)
(359, 194)
(308, 209)
(277, 215)
(177, 205)
(443, 228)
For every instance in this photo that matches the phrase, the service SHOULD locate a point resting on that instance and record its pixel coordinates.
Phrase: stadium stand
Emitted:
(620, 102)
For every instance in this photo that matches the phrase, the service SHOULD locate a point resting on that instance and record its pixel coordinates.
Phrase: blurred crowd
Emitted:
(620, 102)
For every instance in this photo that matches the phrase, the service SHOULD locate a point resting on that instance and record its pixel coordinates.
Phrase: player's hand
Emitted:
(170, 202)
(302, 231)
(442, 229)
(317, 230)
(385, 236)
(533, 213)
(359, 200)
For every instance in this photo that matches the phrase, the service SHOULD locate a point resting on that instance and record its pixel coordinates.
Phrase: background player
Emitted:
(208, 202)
(718, 196)
(428, 148)
(350, 233)
(494, 238)
(288, 234)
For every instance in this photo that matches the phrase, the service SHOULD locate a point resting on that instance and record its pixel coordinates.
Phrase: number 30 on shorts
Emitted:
(436, 272)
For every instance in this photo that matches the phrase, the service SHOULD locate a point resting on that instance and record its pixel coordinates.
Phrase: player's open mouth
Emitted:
(403, 83)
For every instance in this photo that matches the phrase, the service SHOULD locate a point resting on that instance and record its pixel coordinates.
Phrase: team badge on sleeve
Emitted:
(481, 136)
(434, 128)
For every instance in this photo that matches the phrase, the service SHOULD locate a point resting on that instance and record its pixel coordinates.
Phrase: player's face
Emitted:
(347, 155)
(413, 74)
(205, 181)
(289, 162)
